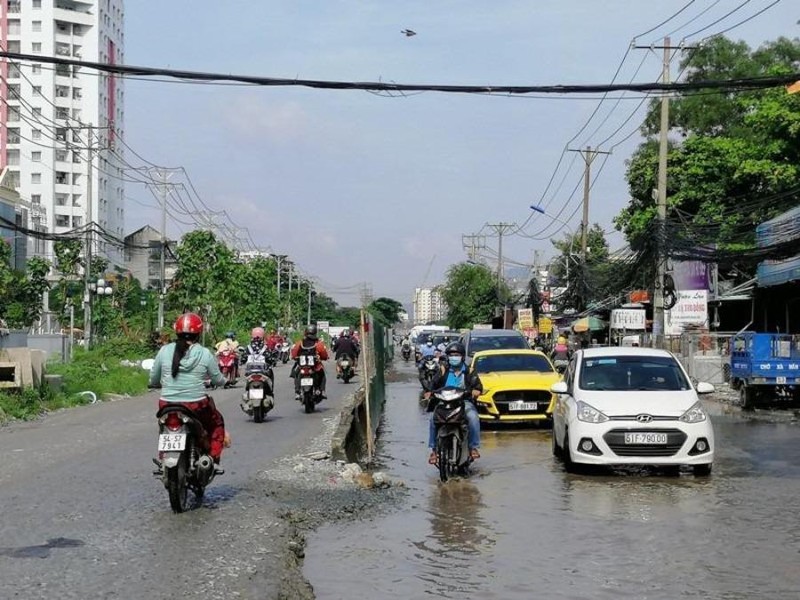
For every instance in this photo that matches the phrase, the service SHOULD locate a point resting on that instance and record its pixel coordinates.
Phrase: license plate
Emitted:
(256, 393)
(171, 442)
(780, 380)
(645, 438)
(309, 381)
(520, 405)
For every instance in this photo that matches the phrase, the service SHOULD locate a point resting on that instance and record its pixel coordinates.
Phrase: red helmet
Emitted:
(258, 332)
(189, 323)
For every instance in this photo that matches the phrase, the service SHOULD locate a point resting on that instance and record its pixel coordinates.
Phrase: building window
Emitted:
(61, 199)
(36, 134)
(76, 179)
(36, 156)
(62, 154)
(36, 47)
(62, 221)
(37, 4)
(36, 26)
(37, 90)
(76, 199)
(36, 69)
(36, 178)
(12, 157)
(62, 177)
(77, 221)
(37, 112)
(36, 198)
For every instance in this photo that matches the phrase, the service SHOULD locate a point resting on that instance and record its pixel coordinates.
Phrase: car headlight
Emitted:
(589, 414)
(696, 414)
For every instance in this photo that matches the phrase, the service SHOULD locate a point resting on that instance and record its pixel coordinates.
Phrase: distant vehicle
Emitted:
(764, 367)
(493, 339)
(445, 337)
(516, 386)
(631, 406)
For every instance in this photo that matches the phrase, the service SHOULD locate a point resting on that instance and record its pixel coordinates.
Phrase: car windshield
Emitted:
(444, 338)
(497, 342)
(512, 362)
(632, 373)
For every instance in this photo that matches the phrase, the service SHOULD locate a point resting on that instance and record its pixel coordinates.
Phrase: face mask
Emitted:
(454, 360)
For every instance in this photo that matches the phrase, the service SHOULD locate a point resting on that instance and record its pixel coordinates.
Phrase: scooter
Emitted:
(450, 420)
(228, 361)
(345, 364)
(258, 397)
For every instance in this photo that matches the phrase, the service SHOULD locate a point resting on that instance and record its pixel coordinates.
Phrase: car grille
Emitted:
(616, 441)
(541, 397)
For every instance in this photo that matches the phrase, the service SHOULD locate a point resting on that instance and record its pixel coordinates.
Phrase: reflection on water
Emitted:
(521, 527)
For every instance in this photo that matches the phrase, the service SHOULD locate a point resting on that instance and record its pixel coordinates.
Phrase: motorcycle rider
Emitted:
(344, 346)
(180, 369)
(456, 374)
(310, 343)
(230, 344)
(425, 350)
(273, 340)
(561, 352)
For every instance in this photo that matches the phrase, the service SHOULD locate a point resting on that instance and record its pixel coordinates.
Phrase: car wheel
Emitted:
(566, 453)
(702, 470)
(746, 397)
(554, 444)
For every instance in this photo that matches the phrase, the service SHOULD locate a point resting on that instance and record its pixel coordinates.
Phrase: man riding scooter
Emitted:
(310, 345)
(345, 348)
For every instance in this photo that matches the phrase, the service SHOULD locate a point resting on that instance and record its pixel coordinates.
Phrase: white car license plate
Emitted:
(520, 405)
(645, 438)
(171, 442)
(256, 393)
(307, 381)
(780, 380)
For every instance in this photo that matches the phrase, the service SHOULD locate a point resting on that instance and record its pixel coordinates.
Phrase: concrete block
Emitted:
(23, 357)
(10, 375)
(54, 382)
(38, 361)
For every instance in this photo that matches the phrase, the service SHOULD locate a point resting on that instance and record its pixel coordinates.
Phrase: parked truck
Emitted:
(765, 367)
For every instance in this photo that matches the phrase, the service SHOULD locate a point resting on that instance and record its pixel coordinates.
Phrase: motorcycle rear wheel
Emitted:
(258, 414)
(177, 487)
(346, 378)
(308, 403)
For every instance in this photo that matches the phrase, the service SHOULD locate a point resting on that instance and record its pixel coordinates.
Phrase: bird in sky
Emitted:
(408, 32)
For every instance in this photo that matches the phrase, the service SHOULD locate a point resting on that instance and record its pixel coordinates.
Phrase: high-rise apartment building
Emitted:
(60, 125)
(428, 306)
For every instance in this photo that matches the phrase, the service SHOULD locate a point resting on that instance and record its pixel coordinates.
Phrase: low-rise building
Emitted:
(143, 257)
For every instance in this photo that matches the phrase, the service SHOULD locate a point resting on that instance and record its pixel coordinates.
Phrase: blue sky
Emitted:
(359, 187)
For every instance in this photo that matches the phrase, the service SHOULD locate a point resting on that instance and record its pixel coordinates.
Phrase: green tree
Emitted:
(386, 311)
(471, 295)
(587, 282)
(732, 149)
(23, 299)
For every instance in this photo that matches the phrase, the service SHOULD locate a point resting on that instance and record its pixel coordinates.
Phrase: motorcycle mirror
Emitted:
(147, 364)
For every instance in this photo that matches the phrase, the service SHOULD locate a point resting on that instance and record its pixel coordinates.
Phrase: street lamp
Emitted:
(540, 210)
(101, 288)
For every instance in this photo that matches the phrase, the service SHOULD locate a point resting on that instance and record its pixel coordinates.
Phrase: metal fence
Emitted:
(706, 355)
(376, 350)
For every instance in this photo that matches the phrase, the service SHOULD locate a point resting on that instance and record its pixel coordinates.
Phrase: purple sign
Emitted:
(691, 275)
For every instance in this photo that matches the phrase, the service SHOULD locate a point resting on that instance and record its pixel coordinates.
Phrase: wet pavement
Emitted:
(521, 527)
(82, 517)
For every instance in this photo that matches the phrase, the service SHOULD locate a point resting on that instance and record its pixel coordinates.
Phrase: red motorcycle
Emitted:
(228, 361)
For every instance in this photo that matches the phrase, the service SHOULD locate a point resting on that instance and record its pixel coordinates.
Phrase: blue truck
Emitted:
(765, 367)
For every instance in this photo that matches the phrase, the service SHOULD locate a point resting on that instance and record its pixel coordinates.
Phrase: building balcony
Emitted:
(72, 15)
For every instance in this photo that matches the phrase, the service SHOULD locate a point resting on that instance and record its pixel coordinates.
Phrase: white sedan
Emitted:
(631, 406)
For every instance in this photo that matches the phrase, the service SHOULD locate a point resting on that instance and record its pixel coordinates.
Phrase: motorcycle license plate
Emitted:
(520, 405)
(256, 393)
(307, 381)
(645, 438)
(171, 442)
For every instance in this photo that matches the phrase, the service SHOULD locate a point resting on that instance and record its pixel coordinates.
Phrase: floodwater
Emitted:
(521, 527)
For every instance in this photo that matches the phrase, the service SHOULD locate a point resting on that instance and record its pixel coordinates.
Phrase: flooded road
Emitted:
(521, 527)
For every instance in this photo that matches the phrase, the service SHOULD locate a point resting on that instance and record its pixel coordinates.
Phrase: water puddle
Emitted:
(520, 527)
(41, 550)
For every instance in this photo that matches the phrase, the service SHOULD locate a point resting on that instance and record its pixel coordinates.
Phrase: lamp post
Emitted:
(540, 210)
(101, 288)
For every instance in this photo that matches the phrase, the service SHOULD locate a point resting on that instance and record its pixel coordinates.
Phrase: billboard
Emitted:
(691, 275)
(691, 309)
(628, 318)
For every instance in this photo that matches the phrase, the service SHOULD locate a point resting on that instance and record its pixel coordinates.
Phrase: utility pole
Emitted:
(661, 193)
(87, 297)
(500, 229)
(472, 244)
(163, 176)
(588, 156)
(308, 315)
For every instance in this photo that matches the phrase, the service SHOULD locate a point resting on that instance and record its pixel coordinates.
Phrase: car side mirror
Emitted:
(559, 387)
(703, 387)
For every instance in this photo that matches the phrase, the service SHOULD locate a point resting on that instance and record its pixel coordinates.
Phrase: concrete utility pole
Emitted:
(588, 156)
(661, 206)
(163, 175)
(472, 244)
(87, 297)
(500, 229)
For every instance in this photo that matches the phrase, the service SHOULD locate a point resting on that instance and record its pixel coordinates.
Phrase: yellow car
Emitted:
(516, 386)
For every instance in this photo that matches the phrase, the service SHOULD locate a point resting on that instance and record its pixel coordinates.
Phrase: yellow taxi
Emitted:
(516, 386)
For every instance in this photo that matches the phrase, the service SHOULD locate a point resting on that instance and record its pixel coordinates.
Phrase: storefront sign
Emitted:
(628, 318)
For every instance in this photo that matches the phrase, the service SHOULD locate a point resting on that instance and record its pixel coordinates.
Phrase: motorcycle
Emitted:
(283, 352)
(258, 397)
(228, 364)
(428, 370)
(183, 463)
(406, 352)
(450, 420)
(345, 363)
(561, 365)
(309, 392)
